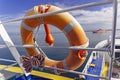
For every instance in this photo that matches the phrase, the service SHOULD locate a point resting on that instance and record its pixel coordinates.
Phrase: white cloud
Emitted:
(60, 5)
(94, 16)
(101, 17)
(12, 26)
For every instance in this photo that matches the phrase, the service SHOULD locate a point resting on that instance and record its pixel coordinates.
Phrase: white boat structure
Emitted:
(103, 63)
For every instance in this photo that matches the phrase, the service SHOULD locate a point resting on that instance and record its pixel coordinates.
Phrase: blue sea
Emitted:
(56, 54)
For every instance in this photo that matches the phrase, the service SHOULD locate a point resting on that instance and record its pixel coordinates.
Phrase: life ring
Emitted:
(66, 23)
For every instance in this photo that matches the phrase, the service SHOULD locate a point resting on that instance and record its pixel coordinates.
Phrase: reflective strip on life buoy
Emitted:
(66, 23)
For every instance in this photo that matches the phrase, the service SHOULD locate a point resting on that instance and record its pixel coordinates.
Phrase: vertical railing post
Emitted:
(113, 38)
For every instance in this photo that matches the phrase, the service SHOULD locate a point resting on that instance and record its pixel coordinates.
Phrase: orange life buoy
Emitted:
(66, 23)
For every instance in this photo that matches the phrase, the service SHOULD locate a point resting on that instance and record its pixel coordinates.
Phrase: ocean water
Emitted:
(56, 54)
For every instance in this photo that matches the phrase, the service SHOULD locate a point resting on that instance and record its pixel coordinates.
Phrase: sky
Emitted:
(92, 18)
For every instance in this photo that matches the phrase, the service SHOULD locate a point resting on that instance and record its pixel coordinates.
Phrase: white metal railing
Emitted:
(114, 2)
(57, 47)
(113, 37)
(7, 40)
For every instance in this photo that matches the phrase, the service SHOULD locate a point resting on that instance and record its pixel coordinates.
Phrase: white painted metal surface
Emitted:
(13, 50)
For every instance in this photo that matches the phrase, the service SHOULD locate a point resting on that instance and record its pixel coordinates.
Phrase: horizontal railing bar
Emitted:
(64, 70)
(8, 60)
(70, 48)
(61, 11)
(75, 72)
